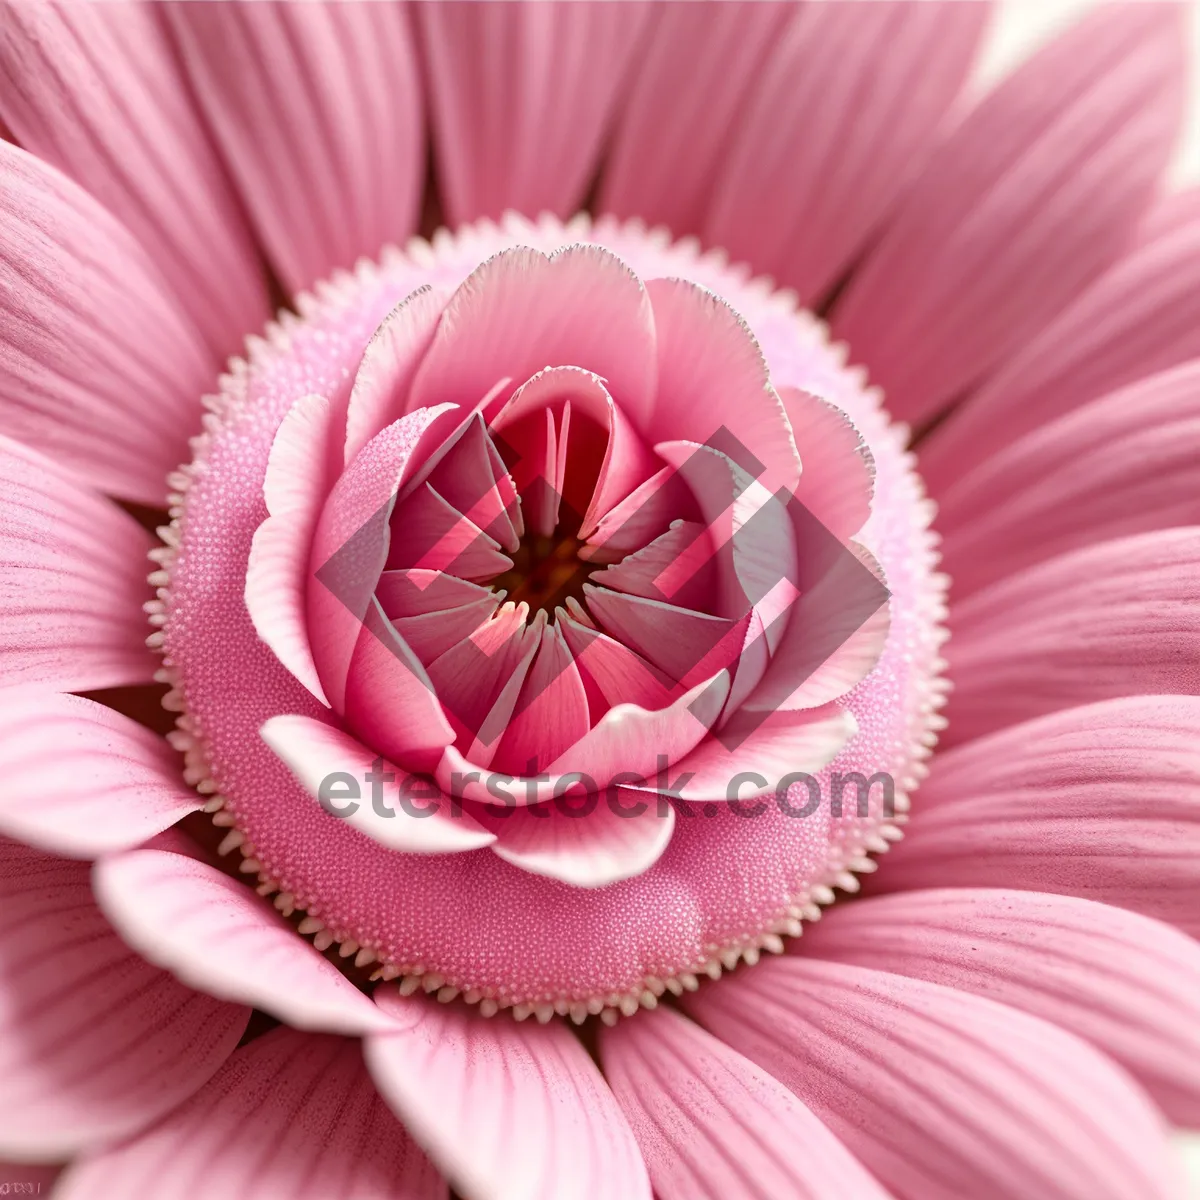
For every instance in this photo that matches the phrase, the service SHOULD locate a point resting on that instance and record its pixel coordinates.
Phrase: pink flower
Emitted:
(551, 619)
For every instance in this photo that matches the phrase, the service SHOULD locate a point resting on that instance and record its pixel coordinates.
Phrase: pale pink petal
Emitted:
(1129, 984)
(1114, 619)
(522, 311)
(712, 1125)
(942, 1094)
(1170, 212)
(848, 105)
(291, 1116)
(712, 383)
(79, 779)
(682, 105)
(1101, 802)
(317, 111)
(295, 487)
(612, 673)
(314, 752)
(521, 97)
(96, 1042)
(1141, 316)
(429, 635)
(94, 90)
(411, 593)
(1031, 197)
(102, 370)
(385, 374)
(71, 599)
(1121, 465)
(214, 933)
(508, 1111)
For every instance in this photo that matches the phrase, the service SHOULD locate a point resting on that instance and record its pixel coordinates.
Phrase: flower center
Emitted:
(676, 764)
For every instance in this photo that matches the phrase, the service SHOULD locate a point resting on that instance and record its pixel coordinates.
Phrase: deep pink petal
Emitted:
(71, 606)
(849, 103)
(82, 780)
(712, 1125)
(1120, 465)
(1114, 619)
(1141, 316)
(1101, 801)
(506, 1110)
(93, 89)
(291, 1116)
(213, 932)
(1129, 984)
(1033, 195)
(521, 97)
(96, 1042)
(683, 104)
(315, 751)
(102, 370)
(942, 1094)
(586, 841)
(295, 487)
(522, 311)
(317, 111)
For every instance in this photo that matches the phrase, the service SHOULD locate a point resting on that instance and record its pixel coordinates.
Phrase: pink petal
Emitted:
(291, 1116)
(94, 91)
(683, 103)
(295, 487)
(506, 1110)
(71, 608)
(36, 1177)
(1141, 316)
(521, 97)
(430, 534)
(1121, 465)
(1128, 984)
(214, 933)
(1101, 802)
(1027, 201)
(385, 374)
(83, 1016)
(317, 111)
(1114, 619)
(585, 841)
(612, 673)
(102, 369)
(315, 751)
(712, 1125)
(429, 635)
(849, 102)
(412, 592)
(942, 1094)
(712, 382)
(83, 780)
(522, 311)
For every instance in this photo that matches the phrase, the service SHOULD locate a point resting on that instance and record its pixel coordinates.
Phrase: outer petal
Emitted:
(291, 1116)
(1101, 802)
(1128, 984)
(317, 110)
(522, 96)
(1035, 193)
(315, 751)
(507, 1110)
(82, 780)
(71, 600)
(711, 1124)
(99, 367)
(96, 1042)
(683, 103)
(94, 90)
(213, 931)
(1121, 465)
(1115, 619)
(1141, 316)
(586, 841)
(849, 102)
(942, 1094)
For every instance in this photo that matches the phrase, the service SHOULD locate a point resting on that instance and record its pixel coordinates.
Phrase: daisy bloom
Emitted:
(446, 723)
